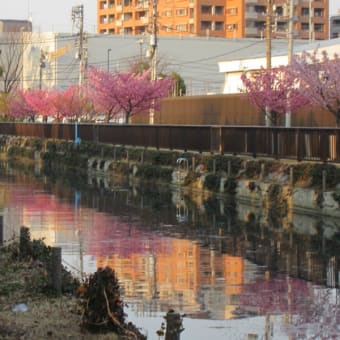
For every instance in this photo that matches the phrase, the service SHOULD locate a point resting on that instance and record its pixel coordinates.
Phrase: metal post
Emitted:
(290, 55)
(268, 51)
(310, 22)
(153, 46)
(56, 270)
(142, 157)
(174, 325)
(108, 59)
(269, 35)
(291, 176)
(1, 230)
(324, 180)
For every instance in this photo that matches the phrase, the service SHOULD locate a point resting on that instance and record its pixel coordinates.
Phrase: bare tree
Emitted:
(11, 59)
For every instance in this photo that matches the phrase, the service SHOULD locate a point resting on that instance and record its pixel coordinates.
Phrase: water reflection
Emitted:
(220, 263)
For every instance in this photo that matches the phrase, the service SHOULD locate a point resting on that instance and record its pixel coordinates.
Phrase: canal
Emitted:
(234, 271)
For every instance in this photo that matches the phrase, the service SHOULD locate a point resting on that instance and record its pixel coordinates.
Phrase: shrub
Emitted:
(103, 307)
(212, 182)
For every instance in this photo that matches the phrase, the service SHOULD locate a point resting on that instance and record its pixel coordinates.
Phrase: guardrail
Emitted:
(312, 144)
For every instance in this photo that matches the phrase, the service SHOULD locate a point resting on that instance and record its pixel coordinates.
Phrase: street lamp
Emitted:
(108, 59)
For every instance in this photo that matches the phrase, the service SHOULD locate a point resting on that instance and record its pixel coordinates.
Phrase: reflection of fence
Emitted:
(319, 144)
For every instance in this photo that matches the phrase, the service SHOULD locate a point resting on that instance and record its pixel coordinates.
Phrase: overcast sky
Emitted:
(51, 15)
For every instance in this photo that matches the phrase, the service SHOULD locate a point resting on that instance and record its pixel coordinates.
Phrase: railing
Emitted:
(312, 144)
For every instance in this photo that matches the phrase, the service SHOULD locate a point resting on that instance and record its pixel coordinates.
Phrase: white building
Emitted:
(51, 60)
(233, 69)
(334, 26)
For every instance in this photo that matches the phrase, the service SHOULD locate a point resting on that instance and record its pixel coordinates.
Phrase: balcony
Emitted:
(252, 31)
(144, 20)
(251, 15)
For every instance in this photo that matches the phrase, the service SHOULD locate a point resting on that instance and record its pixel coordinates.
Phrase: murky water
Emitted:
(233, 270)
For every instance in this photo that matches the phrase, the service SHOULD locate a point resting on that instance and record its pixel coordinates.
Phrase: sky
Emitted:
(55, 15)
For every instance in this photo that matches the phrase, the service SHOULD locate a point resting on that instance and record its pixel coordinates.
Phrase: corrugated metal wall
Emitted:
(228, 110)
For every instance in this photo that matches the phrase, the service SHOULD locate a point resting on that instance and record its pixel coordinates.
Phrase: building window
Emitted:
(318, 12)
(167, 13)
(304, 27)
(260, 25)
(219, 10)
(191, 13)
(127, 30)
(103, 4)
(279, 11)
(219, 25)
(205, 25)
(127, 16)
(231, 27)
(206, 9)
(141, 15)
(260, 9)
(103, 19)
(181, 28)
(191, 28)
(304, 12)
(318, 28)
(232, 11)
(181, 11)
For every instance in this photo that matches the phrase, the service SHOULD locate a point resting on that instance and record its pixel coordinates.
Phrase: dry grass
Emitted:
(46, 317)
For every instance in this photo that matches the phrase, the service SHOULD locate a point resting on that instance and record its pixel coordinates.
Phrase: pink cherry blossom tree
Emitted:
(18, 106)
(319, 79)
(40, 102)
(101, 86)
(126, 93)
(70, 103)
(274, 92)
(136, 93)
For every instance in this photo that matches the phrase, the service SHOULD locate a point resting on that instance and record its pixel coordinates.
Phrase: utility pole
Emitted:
(78, 18)
(269, 35)
(108, 59)
(290, 56)
(290, 31)
(153, 48)
(268, 52)
(310, 22)
(153, 40)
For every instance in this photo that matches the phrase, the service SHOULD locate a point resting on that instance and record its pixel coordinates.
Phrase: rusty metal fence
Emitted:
(313, 144)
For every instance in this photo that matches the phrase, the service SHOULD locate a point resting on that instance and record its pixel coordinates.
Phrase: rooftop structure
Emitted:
(15, 26)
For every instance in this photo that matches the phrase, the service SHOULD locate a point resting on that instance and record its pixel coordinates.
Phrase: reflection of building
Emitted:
(182, 273)
(216, 18)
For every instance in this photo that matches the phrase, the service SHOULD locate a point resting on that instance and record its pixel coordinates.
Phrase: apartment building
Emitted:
(334, 26)
(215, 18)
